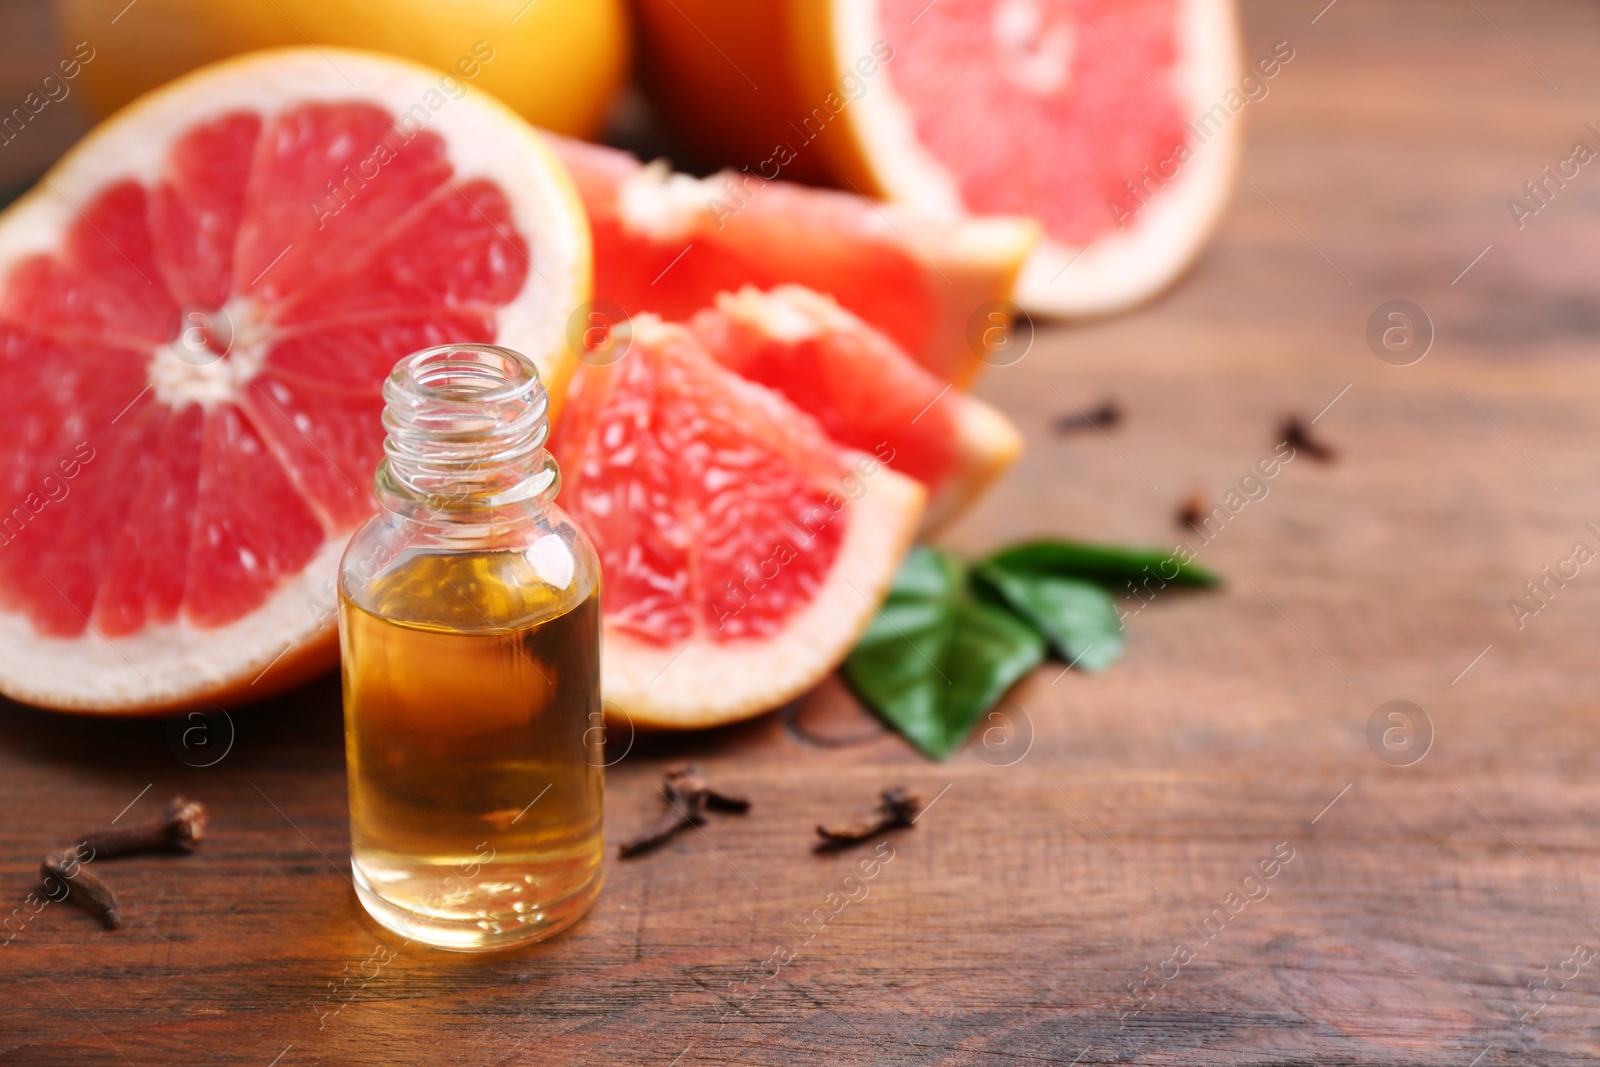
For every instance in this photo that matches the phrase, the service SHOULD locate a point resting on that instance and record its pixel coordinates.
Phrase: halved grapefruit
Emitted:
(668, 243)
(197, 308)
(863, 389)
(743, 550)
(1112, 122)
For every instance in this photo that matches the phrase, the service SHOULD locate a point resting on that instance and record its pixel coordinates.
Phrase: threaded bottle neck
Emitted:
(466, 431)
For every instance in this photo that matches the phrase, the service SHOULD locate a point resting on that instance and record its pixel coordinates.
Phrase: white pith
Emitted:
(660, 203)
(988, 443)
(181, 373)
(178, 664)
(1121, 267)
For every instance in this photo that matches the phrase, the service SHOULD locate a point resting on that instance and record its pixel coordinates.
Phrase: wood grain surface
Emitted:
(1429, 913)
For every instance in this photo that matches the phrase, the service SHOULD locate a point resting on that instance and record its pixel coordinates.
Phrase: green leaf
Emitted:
(1107, 565)
(1078, 618)
(936, 658)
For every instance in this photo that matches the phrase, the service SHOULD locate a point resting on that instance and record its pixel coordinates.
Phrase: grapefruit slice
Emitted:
(863, 389)
(1112, 122)
(667, 243)
(743, 550)
(197, 308)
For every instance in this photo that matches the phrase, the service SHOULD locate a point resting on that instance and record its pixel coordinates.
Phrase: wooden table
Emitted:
(1020, 920)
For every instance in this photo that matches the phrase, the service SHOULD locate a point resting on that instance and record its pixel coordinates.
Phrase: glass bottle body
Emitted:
(470, 630)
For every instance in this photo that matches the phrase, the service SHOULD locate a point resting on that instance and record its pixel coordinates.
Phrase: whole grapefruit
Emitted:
(558, 63)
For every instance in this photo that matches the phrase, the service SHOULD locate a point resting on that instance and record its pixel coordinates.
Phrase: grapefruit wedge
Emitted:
(1112, 122)
(863, 389)
(743, 550)
(667, 243)
(197, 308)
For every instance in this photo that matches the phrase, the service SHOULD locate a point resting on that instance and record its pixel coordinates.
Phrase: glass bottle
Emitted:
(469, 628)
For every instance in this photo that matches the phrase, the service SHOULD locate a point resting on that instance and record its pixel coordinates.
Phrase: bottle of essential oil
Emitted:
(469, 626)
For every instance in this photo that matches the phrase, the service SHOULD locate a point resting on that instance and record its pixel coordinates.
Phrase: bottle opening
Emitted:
(463, 390)
(484, 373)
(466, 428)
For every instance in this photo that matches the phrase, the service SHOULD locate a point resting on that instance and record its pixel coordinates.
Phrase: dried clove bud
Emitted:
(669, 823)
(178, 829)
(1192, 511)
(1297, 435)
(896, 808)
(64, 866)
(687, 781)
(688, 798)
(1104, 416)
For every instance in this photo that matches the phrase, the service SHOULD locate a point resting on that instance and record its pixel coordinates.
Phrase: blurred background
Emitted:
(28, 52)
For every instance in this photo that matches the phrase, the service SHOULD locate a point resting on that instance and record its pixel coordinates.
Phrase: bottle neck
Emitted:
(467, 424)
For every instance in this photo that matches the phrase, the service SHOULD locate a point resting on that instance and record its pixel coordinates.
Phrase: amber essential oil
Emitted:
(470, 640)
